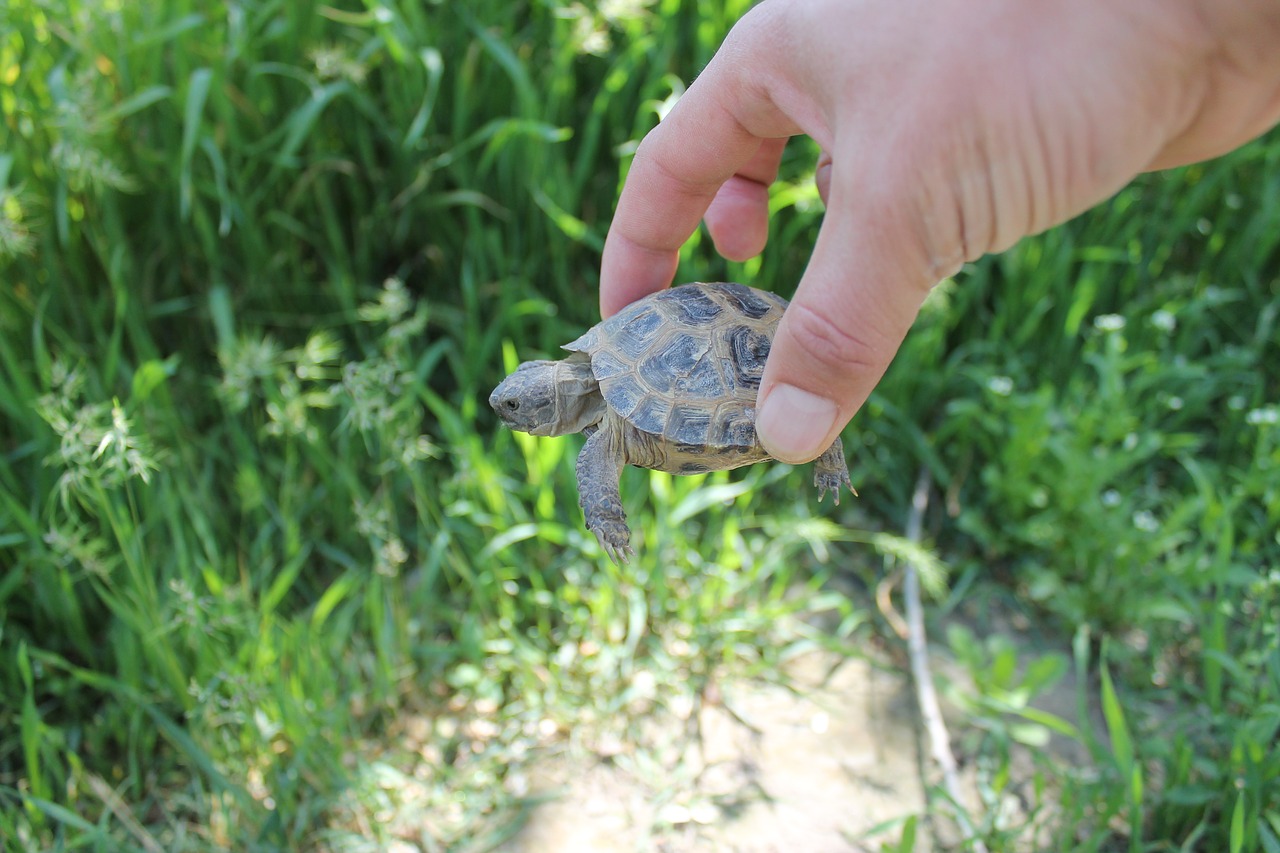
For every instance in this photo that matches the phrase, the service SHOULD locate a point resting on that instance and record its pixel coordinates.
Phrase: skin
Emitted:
(951, 128)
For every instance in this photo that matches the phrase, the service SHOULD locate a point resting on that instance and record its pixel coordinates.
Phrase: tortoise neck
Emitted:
(578, 400)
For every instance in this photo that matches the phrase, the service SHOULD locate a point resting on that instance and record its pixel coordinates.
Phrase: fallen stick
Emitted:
(917, 649)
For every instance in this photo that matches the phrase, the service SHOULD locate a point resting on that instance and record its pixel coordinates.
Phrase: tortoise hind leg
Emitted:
(599, 467)
(830, 472)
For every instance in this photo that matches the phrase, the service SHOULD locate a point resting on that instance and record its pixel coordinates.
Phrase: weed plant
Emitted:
(273, 578)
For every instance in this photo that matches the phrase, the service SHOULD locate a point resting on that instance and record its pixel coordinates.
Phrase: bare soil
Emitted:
(772, 769)
(833, 764)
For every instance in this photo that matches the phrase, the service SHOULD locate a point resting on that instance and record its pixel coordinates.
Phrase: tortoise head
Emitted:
(549, 397)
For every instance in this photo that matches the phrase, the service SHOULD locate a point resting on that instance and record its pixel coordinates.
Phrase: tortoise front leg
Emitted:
(599, 467)
(831, 471)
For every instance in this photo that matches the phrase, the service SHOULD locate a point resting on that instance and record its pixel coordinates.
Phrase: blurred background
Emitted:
(274, 578)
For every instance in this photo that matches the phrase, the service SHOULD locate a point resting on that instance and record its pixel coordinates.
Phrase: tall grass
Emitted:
(271, 569)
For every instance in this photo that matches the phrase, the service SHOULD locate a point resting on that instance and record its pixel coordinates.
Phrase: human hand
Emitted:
(950, 128)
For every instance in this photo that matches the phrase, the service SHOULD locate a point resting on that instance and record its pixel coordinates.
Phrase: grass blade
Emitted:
(193, 109)
(1113, 713)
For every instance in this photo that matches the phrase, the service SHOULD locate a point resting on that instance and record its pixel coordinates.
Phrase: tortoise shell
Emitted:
(684, 365)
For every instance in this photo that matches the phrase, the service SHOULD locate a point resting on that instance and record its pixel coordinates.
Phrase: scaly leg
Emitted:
(599, 467)
(831, 471)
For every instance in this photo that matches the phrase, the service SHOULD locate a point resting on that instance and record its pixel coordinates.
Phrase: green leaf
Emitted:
(434, 65)
(169, 31)
(1113, 713)
(1050, 721)
(332, 597)
(223, 316)
(1190, 795)
(907, 843)
(193, 110)
(1237, 824)
(302, 121)
(136, 103)
(513, 534)
(705, 497)
(151, 374)
(181, 740)
(64, 816)
(282, 582)
(31, 728)
(1029, 734)
(1270, 840)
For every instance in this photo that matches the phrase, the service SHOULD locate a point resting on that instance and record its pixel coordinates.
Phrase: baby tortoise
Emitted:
(668, 383)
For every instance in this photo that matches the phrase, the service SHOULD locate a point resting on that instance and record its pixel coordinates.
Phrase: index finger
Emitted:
(713, 131)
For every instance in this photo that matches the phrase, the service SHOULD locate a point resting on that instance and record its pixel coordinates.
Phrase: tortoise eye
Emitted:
(513, 404)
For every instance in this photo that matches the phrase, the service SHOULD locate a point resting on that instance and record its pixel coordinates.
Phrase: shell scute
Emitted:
(680, 357)
(752, 303)
(750, 348)
(684, 365)
(650, 414)
(606, 364)
(694, 307)
(624, 395)
(689, 425)
(736, 428)
(702, 381)
(634, 337)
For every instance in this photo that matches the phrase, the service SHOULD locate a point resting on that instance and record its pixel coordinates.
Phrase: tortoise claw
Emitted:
(830, 472)
(831, 481)
(617, 547)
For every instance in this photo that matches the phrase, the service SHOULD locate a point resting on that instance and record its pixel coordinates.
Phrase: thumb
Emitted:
(870, 271)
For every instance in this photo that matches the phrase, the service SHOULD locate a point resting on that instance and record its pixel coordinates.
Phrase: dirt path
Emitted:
(773, 770)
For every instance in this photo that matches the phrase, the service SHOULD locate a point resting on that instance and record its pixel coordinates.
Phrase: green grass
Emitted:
(264, 548)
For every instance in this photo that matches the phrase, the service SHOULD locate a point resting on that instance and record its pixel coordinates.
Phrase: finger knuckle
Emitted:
(833, 342)
(951, 220)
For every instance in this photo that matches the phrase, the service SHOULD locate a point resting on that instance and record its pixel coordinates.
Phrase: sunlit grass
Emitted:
(272, 572)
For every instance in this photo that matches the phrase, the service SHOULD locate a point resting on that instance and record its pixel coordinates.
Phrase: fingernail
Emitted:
(793, 424)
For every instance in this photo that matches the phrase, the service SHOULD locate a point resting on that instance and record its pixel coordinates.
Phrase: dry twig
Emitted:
(917, 648)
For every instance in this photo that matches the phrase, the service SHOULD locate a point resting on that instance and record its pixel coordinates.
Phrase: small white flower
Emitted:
(1164, 320)
(394, 302)
(616, 11)
(1108, 322)
(1111, 498)
(333, 62)
(1269, 415)
(1000, 385)
(15, 239)
(1145, 521)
